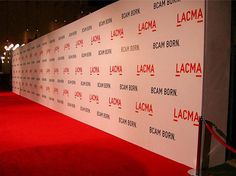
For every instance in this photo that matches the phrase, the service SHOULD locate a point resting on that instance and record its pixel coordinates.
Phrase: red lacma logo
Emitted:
(186, 116)
(190, 15)
(48, 51)
(145, 69)
(188, 69)
(94, 70)
(79, 42)
(94, 98)
(41, 53)
(78, 95)
(48, 89)
(67, 46)
(48, 71)
(116, 69)
(115, 102)
(66, 70)
(56, 49)
(146, 26)
(117, 33)
(66, 92)
(56, 70)
(78, 70)
(55, 90)
(144, 107)
(95, 39)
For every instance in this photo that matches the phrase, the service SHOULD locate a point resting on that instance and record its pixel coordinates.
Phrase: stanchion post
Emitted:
(197, 171)
(199, 146)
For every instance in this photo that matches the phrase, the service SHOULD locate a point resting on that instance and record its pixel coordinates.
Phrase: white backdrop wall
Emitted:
(132, 69)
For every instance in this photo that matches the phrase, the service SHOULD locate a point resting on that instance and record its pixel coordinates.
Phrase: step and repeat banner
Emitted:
(133, 69)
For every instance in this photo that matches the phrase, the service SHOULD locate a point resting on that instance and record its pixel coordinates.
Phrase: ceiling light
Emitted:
(11, 45)
(16, 46)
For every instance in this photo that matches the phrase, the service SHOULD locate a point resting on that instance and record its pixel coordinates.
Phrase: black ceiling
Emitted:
(16, 17)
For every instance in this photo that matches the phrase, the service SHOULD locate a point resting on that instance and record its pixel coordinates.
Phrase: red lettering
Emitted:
(146, 68)
(79, 42)
(78, 94)
(146, 107)
(66, 70)
(56, 70)
(114, 101)
(117, 32)
(186, 115)
(190, 15)
(95, 38)
(116, 69)
(147, 25)
(94, 70)
(67, 46)
(188, 68)
(48, 51)
(56, 49)
(94, 98)
(78, 70)
(55, 90)
(41, 52)
(65, 92)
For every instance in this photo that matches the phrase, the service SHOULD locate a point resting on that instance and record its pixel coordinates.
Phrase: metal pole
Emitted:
(199, 146)
(197, 171)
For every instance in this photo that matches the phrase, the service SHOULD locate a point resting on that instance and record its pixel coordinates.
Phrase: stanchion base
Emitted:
(193, 172)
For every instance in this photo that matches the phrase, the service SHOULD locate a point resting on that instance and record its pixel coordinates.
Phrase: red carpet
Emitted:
(35, 140)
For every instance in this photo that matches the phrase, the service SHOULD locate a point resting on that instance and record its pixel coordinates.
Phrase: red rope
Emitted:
(220, 140)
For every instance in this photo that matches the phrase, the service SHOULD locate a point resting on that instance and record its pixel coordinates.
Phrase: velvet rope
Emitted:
(219, 139)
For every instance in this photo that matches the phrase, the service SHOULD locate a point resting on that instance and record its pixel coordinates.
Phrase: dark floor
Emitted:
(221, 170)
(5, 82)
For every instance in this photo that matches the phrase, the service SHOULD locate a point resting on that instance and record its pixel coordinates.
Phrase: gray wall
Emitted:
(216, 76)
